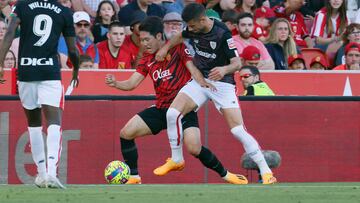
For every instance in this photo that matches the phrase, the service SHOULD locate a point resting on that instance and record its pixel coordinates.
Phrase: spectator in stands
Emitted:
(146, 6)
(250, 56)
(105, 14)
(318, 63)
(330, 23)
(262, 17)
(245, 6)
(244, 39)
(296, 62)
(10, 60)
(290, 11)
(132, 42)
(352, 57)
(86, 62)
(229, 17)
(3, 28)
(5, 9)
(250, 79)
(351, 34)
(83, 43)
(90, 6)
(112, 54)
(280, 43)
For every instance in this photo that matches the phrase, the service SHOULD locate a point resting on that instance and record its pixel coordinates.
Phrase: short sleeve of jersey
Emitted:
(229, 46)
(69, 30)
(142, 66)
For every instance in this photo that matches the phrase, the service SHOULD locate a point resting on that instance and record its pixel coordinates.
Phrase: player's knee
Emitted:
(126, 134)
(193, 148)
(172, 114)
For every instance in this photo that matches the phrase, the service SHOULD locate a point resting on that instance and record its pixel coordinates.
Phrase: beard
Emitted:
(245, 35)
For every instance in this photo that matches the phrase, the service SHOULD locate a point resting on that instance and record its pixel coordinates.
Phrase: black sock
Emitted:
(209, 160)
(130, 155)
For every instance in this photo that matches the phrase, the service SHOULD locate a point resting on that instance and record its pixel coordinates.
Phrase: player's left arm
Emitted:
(229, 49)
(6, 42)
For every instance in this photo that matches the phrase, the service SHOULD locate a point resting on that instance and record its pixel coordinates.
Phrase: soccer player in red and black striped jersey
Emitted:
(40, 88)
(168, 76)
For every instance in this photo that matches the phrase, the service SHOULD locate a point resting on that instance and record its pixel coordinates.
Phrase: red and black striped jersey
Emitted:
(168, 76)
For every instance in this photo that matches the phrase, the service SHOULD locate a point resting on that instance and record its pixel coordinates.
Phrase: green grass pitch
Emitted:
(185, 193)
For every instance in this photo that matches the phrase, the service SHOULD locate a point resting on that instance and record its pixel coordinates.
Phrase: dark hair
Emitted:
(115, 23)
(153, 25)
(193, 11)
(252, 69)
(85, 58)
(239, 4)
(349, 29)
(244, 15)
(229, 15)
(13, 54)
(98, 18)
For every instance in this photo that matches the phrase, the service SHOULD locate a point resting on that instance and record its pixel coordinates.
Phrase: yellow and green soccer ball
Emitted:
(117, 172)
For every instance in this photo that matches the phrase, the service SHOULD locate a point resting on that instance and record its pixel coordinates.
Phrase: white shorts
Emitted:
(37, 93)
(225, 96)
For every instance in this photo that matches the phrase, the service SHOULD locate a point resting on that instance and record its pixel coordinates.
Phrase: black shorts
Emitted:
(156, 119)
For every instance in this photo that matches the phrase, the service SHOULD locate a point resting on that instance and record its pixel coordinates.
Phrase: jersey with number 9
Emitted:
(41, 25)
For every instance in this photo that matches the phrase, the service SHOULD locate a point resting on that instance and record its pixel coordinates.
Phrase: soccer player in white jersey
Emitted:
(40, 88)
(217, 59)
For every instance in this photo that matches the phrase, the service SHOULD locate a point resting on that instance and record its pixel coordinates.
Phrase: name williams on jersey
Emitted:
(46, 5)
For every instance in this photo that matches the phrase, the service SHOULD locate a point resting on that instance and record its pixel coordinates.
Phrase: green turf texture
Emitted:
(185, 193)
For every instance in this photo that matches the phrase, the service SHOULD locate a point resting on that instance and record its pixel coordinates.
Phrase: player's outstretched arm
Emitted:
(126, 85)
(6, 43)
(74, 58)
(198, 76)
(161, 53)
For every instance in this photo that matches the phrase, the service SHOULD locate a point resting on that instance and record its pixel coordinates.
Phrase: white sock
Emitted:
(37, 149)
(53, 148)
(175, 134)
(251, 147)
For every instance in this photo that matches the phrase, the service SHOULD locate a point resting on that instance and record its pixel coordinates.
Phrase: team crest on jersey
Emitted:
(212, 44)
(231, 43)
(121, 65)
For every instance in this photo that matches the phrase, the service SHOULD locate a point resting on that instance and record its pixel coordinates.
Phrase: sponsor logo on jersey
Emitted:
(212, 44)
(231, 43)
(159, 74)
(205, 54)
(24, 61)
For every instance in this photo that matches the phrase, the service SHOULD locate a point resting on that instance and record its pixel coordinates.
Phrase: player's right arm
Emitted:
(6, 42)
(161, 53)
(126, 85)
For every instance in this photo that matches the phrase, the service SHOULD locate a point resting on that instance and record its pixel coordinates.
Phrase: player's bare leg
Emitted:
(181, 105)
(133, 129)
(37, 145)
(192, 142)
(53, 117)
(234, 119)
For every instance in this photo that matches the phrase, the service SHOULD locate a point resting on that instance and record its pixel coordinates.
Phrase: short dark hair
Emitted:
(229, 15)
(115, 23)
(252, 69)
(153, 25)
(193, 11)
(244, 15)
(85, 58)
